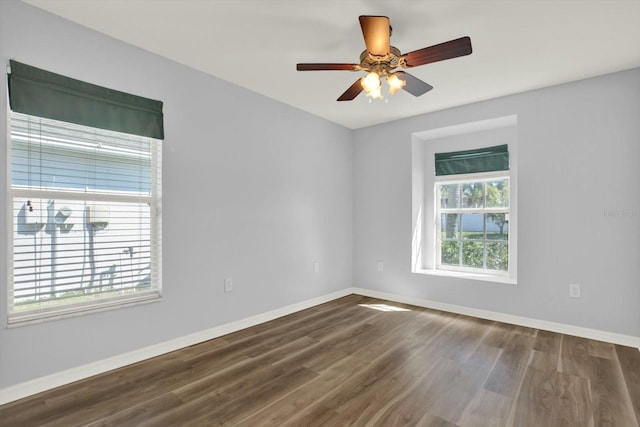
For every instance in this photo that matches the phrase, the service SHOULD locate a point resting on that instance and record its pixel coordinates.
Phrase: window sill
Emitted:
(74, 311)
(470, 276)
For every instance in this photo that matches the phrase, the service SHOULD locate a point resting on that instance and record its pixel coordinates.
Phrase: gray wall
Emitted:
(578, 206)
(253, 189)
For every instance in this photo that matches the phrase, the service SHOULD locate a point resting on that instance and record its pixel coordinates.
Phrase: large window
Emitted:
(85, 201)
(85, 227)
(473, 223)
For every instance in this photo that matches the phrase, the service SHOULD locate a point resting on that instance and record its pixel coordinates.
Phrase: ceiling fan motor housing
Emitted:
(382, 64)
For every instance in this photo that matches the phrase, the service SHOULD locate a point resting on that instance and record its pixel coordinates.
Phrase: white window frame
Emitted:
(461, 179)
(154, 201)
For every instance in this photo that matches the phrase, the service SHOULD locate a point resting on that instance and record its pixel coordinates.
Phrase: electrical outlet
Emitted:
(316, 267)
(228, 284)
(380, 266)
(574, 290)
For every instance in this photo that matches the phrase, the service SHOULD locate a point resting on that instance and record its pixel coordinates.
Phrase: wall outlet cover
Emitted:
(574, 290)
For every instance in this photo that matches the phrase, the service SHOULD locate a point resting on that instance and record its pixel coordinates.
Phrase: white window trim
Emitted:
(468, 276)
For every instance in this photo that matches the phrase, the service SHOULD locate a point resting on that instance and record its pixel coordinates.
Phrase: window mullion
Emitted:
(460, 240)
(474, 210)
(76, 195)
(484, 241)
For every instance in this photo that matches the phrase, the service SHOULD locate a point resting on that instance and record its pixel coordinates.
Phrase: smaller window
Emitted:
(472, 217)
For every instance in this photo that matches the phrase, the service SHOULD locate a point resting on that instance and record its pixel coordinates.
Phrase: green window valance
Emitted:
(488, 159)
(41, 93)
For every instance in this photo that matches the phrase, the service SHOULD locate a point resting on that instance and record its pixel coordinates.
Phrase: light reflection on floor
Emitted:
(384, 307)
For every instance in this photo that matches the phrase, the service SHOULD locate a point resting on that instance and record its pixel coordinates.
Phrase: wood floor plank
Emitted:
(612, 404)
(469, 334)
(611, 401)
(420, 328)
(133, 416)
(363, 408)
(256, 369)
(231, 411)
(486, 409)
(381, 368)
(301, 318)
(300, 399)
(334, 376)
(601, 349)
(546, 351)
(88, 400)
(271, 338)
(430, 420)
(348, 363)
(552, 398)
(366, 404)
(343, 343)
(455, 393)
(403, 345)
(21, 412)
(447, 386)
(428, 393)
(506, 375)
(319, 416)
(359, 384)
(629, 359)
(396, 390)
(575, 357)
(499, 335)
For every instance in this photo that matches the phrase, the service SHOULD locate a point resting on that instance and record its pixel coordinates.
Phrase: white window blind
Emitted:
(86, 218)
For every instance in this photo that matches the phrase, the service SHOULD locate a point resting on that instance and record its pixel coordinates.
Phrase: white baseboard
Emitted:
(58, 379)
(611, 337)
(28, 388)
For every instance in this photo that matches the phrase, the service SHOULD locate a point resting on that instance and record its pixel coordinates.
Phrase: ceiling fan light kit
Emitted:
(381, 61)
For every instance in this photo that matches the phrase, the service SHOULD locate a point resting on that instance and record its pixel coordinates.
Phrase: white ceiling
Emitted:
(518, 45)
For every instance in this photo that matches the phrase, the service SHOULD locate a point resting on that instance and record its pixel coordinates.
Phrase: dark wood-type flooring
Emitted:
(360, 361)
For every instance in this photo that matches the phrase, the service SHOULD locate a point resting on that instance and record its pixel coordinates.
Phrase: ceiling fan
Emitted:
(380, 60)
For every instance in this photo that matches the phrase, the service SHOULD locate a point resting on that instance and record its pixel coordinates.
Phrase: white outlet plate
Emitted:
(316, 267)
(574, 290)
(380, 266)
(228, 284)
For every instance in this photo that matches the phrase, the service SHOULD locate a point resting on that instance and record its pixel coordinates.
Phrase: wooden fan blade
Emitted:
(353, 91)
(439, 52)
(414, 85)
(327, 67)
(376, 31)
